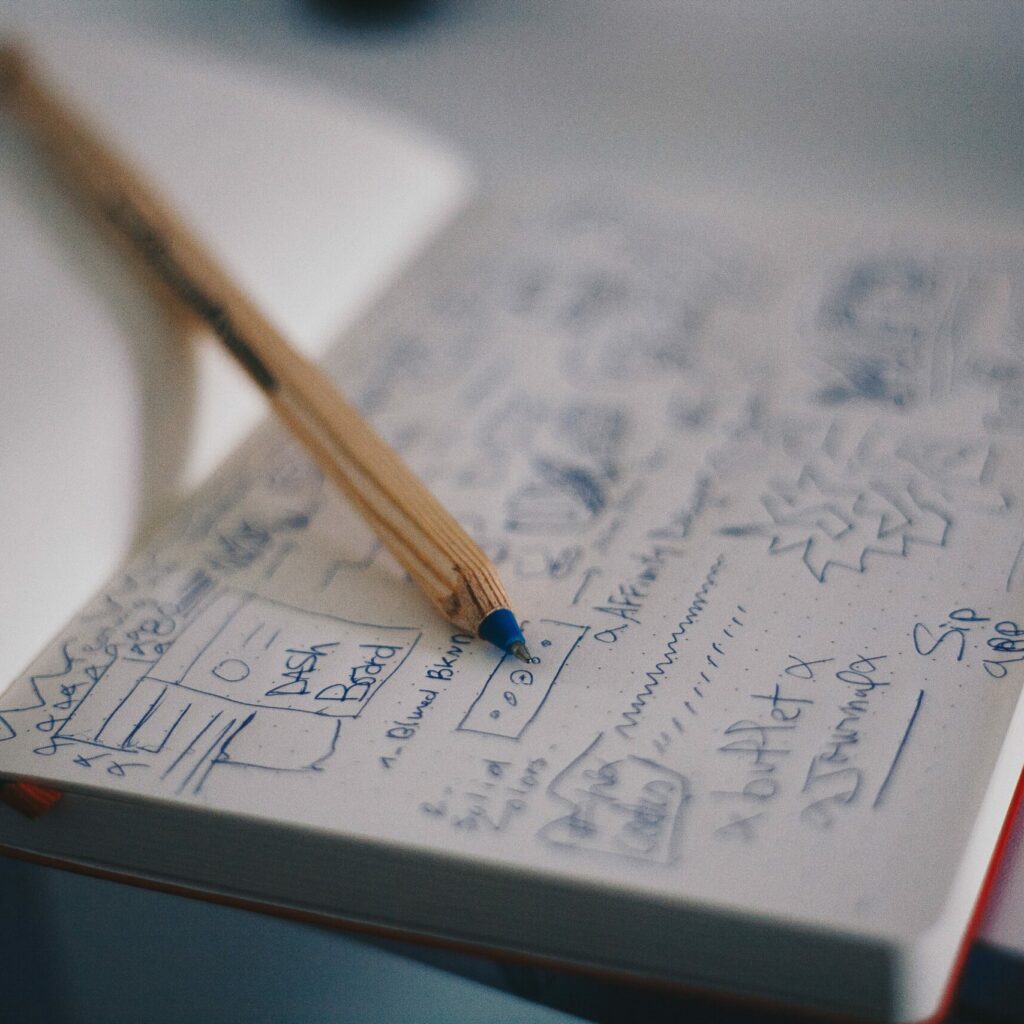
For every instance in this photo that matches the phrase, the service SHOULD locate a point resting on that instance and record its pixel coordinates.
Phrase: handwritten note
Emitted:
(760, 500)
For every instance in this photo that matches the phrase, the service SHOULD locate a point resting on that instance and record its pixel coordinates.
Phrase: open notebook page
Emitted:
(109, 416)
(756, 490)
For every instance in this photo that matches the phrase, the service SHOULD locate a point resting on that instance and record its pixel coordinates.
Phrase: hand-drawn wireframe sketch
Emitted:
(558, 499)
(183, 734)
(619, 295)
(247, 682)
(137, 617)
(257, 652)
(635, 297)
(274, 476)
(628, 807)
(513, 694)
(996, 359)
(963, 470)
(579, 465)
(891, 328)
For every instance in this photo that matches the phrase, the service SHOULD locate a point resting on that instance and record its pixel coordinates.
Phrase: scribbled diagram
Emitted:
(636, 299)
(255, 520)
(558, 499)
(246, 681)
(569, 486)
(833, 527)
(257, 652)
(891, 328)
(514, 693)
(961, 470)
(625, 806)
(854, 494)
(183, 735)
(628, 306)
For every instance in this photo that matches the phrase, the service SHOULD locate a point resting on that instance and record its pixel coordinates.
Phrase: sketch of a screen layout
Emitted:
(514, 693)
(251, 683)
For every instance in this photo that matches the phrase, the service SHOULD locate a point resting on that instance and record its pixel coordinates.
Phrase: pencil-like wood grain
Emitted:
(422, 535)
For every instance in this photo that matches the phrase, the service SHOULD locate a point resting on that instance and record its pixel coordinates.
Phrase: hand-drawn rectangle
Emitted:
(514, 693)
(258, 652)
(626, 806)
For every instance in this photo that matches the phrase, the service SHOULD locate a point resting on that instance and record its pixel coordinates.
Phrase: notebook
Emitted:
(753, 479)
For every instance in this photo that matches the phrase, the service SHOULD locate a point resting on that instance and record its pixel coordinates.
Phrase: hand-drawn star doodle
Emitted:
(836, 527)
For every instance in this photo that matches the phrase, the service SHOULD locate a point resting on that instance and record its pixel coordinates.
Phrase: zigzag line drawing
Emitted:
(899, 515)
(668, 657)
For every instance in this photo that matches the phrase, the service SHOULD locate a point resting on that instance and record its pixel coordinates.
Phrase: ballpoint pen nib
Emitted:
(520, 650)
(501, 629)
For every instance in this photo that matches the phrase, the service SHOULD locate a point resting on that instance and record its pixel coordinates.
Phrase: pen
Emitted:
(442, 559)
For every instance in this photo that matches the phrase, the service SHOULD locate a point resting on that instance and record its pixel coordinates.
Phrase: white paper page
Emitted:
(756, 491)
(107, 415)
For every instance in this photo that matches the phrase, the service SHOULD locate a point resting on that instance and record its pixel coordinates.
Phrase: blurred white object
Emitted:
(311, 205)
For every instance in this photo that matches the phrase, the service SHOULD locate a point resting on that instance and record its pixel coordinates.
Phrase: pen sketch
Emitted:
(514, 694)
(245, 682)
(626, 807)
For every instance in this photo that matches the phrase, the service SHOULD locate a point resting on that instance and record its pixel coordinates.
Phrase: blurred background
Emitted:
(913, 102)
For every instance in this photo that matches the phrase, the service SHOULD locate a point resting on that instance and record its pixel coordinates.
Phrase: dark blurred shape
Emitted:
(37, 996)
(372, 13)
(992, 987)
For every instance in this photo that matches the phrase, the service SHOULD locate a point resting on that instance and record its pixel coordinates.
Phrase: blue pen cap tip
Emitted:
(501, 629)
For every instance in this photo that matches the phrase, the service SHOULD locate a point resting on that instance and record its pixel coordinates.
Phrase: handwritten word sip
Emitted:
(1007, 638)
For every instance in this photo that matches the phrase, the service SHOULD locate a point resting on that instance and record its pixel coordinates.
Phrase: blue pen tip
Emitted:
(501, 629)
